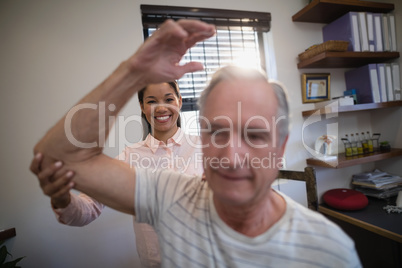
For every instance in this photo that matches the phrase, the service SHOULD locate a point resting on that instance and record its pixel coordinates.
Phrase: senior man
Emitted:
(232, 218)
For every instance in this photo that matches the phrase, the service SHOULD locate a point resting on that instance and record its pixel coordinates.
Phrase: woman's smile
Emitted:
(163, 118)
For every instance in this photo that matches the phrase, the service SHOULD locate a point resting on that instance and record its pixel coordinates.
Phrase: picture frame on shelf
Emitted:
(316, 87)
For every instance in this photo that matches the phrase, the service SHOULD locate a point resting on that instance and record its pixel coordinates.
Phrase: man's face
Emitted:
(241, 151)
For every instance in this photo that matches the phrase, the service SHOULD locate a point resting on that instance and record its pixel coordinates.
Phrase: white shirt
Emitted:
(191, 233)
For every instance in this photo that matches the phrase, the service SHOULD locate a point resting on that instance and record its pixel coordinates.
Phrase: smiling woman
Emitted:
(160, 107)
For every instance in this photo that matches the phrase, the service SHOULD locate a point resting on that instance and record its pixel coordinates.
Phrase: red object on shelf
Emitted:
(345, 199)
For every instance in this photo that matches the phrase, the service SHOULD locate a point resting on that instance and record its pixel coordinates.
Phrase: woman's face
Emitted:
(161, 107)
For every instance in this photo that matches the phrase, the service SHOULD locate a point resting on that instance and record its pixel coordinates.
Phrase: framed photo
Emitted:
(315, 87)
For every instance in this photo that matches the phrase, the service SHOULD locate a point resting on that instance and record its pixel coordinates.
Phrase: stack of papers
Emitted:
(377, 183)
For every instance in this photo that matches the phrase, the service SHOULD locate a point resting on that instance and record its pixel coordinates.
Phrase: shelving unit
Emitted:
(325, 11)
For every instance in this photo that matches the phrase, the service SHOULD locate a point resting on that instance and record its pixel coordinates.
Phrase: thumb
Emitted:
(191, 67)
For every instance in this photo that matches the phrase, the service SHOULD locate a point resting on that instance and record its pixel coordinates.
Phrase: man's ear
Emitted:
(283, 146)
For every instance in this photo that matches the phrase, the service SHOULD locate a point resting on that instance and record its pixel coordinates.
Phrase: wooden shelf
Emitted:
(325, 11)
(344, 161)
(6, 234)
(352, 108)
(346, 59)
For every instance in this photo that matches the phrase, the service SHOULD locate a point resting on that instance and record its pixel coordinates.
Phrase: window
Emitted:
(241, 38)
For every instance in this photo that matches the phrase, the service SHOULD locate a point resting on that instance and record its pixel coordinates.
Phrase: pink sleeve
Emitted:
(81, 211)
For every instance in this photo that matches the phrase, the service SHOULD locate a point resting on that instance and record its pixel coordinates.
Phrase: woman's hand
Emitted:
(55, 182)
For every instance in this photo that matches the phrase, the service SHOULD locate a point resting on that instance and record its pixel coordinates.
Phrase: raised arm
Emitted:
(77, 139)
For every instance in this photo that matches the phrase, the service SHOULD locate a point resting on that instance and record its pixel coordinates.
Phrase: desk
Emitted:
(377, 234)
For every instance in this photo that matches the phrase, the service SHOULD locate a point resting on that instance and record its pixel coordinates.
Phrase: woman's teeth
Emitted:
(162, 118)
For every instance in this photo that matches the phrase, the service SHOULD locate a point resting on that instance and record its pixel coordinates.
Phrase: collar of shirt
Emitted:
(154, 144)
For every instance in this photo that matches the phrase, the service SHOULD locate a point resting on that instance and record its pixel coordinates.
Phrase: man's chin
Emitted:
(233, 197)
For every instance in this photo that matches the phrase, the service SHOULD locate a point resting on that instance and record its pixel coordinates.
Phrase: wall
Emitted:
(54, 52)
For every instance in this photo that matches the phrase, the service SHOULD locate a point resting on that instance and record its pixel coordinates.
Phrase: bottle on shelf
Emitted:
(369, 142)
(376, 141)
(359, 144)
(353, 144)
(364, 143)
(348, 147)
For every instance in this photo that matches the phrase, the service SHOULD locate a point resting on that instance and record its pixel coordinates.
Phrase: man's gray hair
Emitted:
(231, 73)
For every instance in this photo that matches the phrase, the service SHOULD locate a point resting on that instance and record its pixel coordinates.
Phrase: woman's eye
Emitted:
(151, 102)
(169, 100)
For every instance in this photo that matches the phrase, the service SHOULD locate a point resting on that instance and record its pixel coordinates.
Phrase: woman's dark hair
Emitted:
(146, 125)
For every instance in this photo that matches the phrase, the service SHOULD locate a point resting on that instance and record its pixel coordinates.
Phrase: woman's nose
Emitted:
(160, 108)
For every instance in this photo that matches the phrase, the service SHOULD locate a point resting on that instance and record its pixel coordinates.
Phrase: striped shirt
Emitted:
(191, 234)
(181, 153)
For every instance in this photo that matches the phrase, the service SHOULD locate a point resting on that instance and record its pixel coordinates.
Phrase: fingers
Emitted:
(169, 28)
(62, 186)
(188, 68)
(36, 162)
(201, 29)
(189, 31)
(197, 31)
(60, 193)
(46, 175)
(54, 182)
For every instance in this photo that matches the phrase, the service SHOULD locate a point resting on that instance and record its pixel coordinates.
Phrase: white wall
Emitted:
(54, 52)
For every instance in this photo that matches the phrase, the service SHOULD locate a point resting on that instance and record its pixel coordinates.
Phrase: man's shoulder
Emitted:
(298, 210)
(303, 215)
(312, 222)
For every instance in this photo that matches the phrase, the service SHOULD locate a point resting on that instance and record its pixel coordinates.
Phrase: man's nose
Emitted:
(234, 151)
